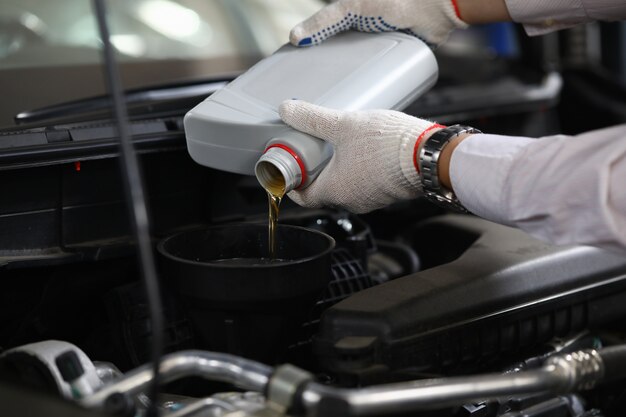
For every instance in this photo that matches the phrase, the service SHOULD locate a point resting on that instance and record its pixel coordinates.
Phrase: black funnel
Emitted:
(238, 300)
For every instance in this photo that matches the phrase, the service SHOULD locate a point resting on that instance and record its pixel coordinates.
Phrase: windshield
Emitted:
(50, 50)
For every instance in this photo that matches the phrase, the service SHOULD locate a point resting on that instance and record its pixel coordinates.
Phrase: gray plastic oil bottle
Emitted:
(238, 128)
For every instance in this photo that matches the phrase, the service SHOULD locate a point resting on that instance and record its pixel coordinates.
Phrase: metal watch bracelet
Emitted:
(429, 174)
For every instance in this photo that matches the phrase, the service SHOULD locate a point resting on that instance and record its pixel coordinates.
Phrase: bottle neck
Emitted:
(278, 170)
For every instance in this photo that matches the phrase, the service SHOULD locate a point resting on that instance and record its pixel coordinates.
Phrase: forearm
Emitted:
(483, 11)
(540, 16)
(567, 190)
(443, 166)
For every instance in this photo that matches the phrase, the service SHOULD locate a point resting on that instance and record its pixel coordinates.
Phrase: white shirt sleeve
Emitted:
(543, 16)
(562, 189)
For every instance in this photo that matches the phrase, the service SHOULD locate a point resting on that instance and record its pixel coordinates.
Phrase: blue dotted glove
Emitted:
(430, 20)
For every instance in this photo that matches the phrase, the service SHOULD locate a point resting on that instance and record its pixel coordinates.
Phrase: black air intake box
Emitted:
(505, 292)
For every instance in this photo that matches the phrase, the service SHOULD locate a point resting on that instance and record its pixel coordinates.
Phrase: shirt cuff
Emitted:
(479, 169)
(543, 16)
(542, 29)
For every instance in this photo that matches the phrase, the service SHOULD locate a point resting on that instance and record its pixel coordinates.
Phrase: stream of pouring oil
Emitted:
(274, 209)
(275, 192)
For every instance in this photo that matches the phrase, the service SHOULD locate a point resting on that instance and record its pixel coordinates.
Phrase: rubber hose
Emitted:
(614, 359)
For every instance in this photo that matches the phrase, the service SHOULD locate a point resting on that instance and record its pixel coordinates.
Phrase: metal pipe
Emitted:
(418, 395)
(107, 372)
(202, 406)
(243, 373)
(559, 375)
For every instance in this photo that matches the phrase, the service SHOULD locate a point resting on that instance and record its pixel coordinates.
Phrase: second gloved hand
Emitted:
(373, 164)
(430, 20)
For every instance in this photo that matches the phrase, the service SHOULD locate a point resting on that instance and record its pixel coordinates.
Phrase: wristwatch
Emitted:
(429, 175)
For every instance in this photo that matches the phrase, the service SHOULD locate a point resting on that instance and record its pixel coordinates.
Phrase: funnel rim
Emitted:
(164, 252)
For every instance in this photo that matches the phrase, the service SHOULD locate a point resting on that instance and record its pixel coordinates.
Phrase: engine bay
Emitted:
(495, 302)
(421, 312)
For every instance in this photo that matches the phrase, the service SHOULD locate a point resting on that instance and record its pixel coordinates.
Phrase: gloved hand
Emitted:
(374, 160)
(429, 20)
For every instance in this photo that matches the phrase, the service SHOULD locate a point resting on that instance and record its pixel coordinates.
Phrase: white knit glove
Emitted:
(430, 20)
(373, 164)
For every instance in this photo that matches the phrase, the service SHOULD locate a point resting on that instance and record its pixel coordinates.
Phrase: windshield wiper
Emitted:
(137, 100)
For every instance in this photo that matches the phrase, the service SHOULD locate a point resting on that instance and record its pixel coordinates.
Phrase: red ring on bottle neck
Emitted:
(296, 157)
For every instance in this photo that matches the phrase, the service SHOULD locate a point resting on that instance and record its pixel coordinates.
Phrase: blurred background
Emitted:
(50, 50)
(50, 53)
